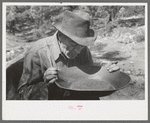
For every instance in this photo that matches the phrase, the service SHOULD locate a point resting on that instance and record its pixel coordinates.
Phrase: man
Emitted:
(66, 48)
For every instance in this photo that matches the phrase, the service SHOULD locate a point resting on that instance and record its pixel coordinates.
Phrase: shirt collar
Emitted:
(56, 47)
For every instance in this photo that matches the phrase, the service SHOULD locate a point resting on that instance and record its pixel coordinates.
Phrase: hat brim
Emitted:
(82, 41)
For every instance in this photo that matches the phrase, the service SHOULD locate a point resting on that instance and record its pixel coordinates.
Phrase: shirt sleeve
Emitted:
(86, 57)
(31, 70)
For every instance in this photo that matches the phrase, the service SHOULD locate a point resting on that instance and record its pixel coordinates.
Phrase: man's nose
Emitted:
(70, 48)
(77, 50)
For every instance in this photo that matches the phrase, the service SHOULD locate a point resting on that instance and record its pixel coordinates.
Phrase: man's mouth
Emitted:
(72, 54)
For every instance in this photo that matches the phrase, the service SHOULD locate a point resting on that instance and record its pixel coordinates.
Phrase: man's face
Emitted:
(69, 47)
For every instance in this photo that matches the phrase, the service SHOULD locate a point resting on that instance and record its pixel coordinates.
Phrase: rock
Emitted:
(131, 62)
(129, 72)
(12, 52)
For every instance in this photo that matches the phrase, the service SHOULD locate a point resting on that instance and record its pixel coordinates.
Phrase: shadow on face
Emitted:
(68, 46)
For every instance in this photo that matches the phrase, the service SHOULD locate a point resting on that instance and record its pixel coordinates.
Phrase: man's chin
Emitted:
(71, 57)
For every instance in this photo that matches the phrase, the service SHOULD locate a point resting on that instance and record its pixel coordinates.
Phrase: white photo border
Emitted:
(59, 110)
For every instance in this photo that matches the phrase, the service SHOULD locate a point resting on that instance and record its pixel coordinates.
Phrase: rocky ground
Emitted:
(125, 45)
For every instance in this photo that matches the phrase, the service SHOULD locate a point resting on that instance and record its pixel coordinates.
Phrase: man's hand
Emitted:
(112, 66)
(50, 75)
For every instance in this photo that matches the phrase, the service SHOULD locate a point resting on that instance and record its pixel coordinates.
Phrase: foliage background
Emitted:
(30, 23)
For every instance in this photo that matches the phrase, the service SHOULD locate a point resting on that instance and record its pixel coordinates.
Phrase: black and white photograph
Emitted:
(76, 54)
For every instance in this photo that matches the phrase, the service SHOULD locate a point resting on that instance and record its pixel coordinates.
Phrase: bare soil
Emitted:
(130, 54)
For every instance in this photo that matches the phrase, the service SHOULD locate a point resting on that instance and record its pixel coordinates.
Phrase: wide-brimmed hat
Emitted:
(76, 26)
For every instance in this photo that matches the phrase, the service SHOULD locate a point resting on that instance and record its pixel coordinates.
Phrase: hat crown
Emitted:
(76, 26)
(76, 23)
